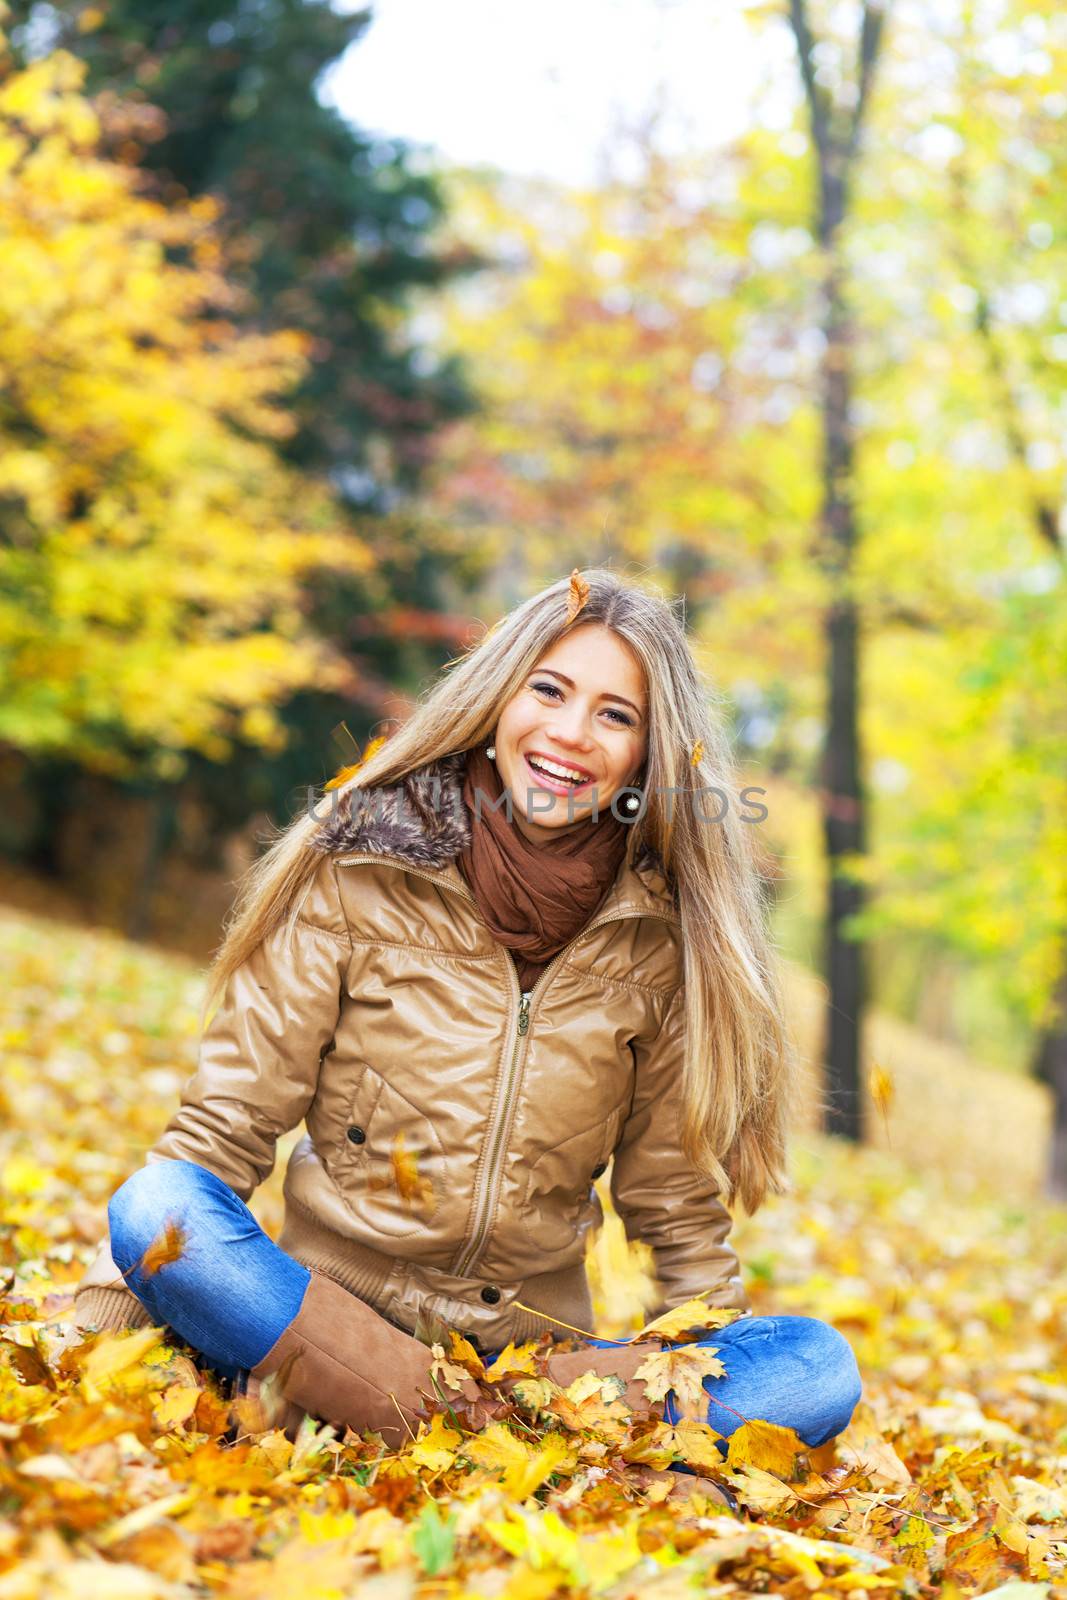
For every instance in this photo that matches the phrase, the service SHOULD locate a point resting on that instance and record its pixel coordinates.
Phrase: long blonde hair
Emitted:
(740, 1070)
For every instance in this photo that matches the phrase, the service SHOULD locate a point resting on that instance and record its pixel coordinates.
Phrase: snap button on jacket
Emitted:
(454, 1125)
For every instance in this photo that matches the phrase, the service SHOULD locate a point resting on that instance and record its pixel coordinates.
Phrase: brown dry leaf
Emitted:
(695, 1313)
(684, 1371)
(767, 1445)
(577, 596)
(30, 1362)
(168, 1246)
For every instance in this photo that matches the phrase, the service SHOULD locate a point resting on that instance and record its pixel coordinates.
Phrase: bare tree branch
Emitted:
(870, 45)
(1043, 515)
(817, 100)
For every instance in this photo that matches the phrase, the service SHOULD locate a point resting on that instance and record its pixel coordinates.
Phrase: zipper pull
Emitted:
(524, 1011)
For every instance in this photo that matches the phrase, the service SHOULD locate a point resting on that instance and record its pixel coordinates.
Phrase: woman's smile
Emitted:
(582, 710)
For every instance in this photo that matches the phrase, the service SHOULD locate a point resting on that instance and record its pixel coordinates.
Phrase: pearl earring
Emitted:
(490, 751)
(631, 803)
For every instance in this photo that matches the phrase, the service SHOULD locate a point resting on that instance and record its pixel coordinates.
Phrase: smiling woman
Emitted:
(475, 1015)
(575, 731)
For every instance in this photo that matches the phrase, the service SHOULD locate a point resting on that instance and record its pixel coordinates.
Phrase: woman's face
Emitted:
(584, 706)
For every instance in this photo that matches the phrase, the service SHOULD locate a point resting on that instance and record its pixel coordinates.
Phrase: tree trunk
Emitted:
(162, 817)
(836, 131)
(841, 784)
(1050, 1066)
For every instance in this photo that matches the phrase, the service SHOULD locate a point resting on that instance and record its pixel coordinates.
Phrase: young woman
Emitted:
(523, 941)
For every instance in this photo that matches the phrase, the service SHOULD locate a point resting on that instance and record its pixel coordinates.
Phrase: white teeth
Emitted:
(554, 771)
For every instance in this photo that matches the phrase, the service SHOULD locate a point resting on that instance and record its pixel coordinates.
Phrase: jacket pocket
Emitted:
(557, 1197)
(390, 1164)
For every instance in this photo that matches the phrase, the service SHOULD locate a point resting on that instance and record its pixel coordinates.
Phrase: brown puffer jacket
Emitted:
(454, 1124)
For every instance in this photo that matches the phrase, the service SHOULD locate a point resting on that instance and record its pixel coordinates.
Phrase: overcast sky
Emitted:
(533, 88)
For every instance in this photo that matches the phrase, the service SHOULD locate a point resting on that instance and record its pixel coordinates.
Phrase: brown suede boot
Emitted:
(340, 1360)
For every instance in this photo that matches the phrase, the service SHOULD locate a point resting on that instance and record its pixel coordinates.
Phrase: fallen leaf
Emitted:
(683, 1371)
(766, 1445)
(760, 1490)
(682, 1319)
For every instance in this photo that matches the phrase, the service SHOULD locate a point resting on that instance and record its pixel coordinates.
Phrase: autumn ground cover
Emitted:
(125, 1471)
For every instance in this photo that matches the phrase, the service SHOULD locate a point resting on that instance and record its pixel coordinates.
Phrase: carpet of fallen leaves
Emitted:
(127, 1472)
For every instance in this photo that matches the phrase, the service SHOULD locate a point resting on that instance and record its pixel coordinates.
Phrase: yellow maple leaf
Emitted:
(577, 596)
(168, 1246)
(760, 1490)
(513, 1358)
(695, 1313)
(684, 1371)
(691, 1442)
(435, 1448)
(175, 1405)
(523, 1467)
(766, 1445)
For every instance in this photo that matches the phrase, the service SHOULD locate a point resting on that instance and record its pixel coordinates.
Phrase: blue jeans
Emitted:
(232, 1292)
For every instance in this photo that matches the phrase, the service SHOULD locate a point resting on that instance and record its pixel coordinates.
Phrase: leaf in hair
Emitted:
(577, 596)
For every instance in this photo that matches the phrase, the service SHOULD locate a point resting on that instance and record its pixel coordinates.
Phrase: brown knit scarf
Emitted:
(534, 898)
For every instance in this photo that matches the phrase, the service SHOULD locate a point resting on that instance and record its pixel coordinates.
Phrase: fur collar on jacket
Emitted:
(424, 821)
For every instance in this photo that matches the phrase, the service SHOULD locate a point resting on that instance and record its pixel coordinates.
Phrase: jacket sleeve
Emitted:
(661, 1198)
(256, 1076)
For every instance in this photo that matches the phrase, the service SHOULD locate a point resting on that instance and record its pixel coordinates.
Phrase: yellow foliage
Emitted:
(154, 546)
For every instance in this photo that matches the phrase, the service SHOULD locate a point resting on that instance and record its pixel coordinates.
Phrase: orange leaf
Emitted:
(342, 776)
(404, 1176)
(167, 1247)
(577, 595)
(464, 1354)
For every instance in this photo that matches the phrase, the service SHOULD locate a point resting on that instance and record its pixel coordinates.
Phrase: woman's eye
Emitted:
(552, 688)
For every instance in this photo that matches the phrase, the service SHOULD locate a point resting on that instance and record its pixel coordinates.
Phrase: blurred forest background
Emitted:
(290, 412)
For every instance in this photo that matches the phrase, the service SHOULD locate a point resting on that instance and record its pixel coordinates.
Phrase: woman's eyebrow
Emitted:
(570, 685)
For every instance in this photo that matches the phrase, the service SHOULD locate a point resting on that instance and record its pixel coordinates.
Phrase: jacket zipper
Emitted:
(488, 1191)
